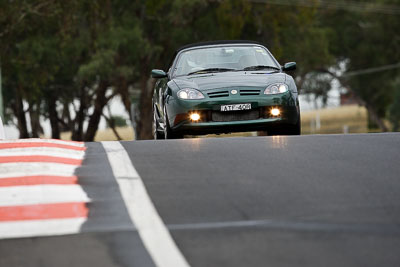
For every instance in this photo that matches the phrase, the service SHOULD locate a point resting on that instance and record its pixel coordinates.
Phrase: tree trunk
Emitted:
(373, 115)
(53, 116)
(77, 129)
(34, 114)
(111, 124)
(371, 110)
(123, 90)
(144, 121)
(99, 104)
(20, 114)
(65, 120)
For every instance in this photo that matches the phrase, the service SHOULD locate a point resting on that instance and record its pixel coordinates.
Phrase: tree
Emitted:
(65, 60)
(364, 40)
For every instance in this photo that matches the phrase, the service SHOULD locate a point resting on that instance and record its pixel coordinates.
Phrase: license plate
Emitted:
(236, 107)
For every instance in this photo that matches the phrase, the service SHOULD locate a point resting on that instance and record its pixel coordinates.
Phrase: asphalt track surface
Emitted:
(324, 200)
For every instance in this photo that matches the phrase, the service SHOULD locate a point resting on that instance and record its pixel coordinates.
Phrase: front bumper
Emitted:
(179, 110)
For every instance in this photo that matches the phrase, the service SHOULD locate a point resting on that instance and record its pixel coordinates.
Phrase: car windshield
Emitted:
(227, 58)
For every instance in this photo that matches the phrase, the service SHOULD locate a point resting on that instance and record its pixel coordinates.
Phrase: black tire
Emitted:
(156, 134)
(168, 133)
(296, 130)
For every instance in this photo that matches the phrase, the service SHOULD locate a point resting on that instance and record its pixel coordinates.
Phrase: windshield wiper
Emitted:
(210, 70)
(261, 67)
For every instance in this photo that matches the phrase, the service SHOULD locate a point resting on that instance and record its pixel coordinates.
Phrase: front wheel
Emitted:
(168, 133)
(156, 134)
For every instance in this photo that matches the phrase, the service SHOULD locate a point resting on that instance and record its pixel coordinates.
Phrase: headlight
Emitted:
(276, 88)
(275, 112)
(195, 116)
(190, 94)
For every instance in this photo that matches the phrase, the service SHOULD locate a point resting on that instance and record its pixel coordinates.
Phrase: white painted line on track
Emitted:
(150, 226)
(42, 151)
(33, 228)
(41, 194)
(17, 169)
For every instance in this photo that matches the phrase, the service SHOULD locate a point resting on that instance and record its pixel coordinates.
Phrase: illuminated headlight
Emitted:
(275, 112)
(190, 94)
(195, 116)
(277, 88)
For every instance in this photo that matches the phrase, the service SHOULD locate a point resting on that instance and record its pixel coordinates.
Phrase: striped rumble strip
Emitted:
(39, 191)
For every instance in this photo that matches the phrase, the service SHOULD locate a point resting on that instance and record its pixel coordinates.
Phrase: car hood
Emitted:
(229, 79)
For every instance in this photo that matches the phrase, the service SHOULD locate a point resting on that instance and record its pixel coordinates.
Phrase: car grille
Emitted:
(242, 92)
(218, 94)
(218, 116)
(249, 92)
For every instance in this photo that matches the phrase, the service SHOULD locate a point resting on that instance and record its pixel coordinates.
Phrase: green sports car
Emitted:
(223, 87)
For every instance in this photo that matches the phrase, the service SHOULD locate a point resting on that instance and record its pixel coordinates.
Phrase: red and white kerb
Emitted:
(39, 191)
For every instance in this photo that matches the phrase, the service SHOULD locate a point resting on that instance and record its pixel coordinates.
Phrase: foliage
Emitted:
(367, 40)
(117, 121)
(394, 108)
(65, 60)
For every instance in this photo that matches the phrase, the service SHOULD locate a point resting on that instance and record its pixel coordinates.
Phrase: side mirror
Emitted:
(158, 74)
(289, 66)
